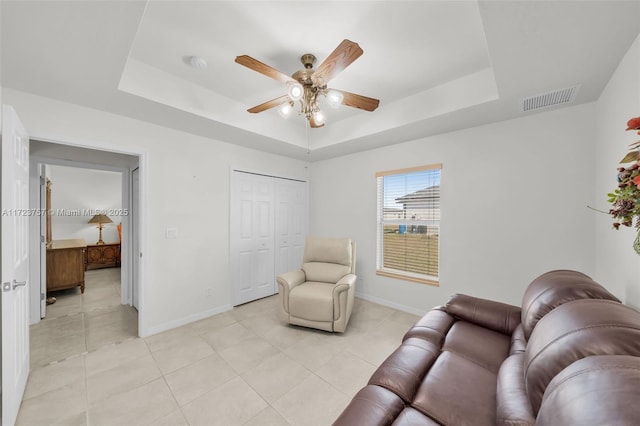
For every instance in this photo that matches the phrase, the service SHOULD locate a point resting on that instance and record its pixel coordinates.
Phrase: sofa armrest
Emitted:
(493, 315)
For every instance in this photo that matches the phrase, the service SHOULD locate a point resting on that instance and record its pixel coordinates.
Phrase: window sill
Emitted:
(407, 277)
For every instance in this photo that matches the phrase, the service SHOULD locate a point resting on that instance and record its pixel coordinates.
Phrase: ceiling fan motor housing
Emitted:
(308, 60)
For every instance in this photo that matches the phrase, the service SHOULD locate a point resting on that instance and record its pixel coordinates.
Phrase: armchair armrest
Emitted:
(286, 283)
(289, 280)
(343, 293)
(496, 316)
(344, 284)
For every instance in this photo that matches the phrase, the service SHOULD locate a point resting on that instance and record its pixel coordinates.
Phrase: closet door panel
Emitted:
(252, 237)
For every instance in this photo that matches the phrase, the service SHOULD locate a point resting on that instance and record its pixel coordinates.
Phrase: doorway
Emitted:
(106, 163)
(82, 274)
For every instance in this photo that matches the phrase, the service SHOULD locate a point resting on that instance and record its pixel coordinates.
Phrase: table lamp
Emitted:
(100, 219)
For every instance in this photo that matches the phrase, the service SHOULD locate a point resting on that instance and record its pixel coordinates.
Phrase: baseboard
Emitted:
(398, 306)
(184, 321)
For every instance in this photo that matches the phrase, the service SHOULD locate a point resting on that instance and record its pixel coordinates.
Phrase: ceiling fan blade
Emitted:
(359, 101)
(262, 68)
(339, 59)
(269, 104)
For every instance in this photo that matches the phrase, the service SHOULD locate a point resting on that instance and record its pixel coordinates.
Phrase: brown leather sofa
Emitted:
(569, 356)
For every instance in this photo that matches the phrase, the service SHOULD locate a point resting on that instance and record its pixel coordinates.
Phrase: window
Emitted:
(409, 223)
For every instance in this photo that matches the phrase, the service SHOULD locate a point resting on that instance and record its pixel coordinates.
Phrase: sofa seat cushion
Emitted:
(312, 301)
(447, 370)
(484, 347)
(412, 417)
(403, 371)
(457, 391)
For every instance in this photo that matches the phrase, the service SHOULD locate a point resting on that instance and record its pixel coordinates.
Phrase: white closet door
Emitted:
(252, 237)
(291, 224)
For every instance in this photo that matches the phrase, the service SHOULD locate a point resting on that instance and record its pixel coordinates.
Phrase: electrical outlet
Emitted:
(209, 291)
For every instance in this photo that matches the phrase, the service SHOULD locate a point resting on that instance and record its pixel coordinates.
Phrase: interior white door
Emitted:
(15, 263)
(291, 224)
(252, 237)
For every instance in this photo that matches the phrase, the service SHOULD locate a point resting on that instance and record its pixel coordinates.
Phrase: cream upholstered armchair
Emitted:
(320, 295)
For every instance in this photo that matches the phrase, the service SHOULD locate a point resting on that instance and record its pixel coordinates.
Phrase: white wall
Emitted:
(76, 195)
(514, 197)
(617, 264)
(186, 181)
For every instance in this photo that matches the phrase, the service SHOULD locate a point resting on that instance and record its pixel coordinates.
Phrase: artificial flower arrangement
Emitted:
(625, 200)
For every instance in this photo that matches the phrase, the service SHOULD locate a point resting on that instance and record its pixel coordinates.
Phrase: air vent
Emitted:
(555, 97)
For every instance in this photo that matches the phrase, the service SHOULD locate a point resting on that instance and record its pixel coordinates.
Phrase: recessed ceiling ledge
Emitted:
(464, 92)
(151, 83)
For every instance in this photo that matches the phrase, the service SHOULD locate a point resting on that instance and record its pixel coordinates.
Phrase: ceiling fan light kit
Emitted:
(334, 98)
(285, 109)
(295, 91)
(307, 84)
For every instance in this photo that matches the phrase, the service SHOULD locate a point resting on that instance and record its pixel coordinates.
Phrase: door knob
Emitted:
(18, 284)
(6, 286)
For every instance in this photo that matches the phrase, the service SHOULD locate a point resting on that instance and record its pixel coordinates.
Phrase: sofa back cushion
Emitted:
(554, 288)
(574, 331)
(597, 390)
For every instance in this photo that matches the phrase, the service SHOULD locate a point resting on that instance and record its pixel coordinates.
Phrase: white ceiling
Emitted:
(436, 66)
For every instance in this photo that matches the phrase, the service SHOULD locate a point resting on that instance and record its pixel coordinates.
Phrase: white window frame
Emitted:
(381, 222)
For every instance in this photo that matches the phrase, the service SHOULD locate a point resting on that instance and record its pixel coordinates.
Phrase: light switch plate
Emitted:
(171, 233)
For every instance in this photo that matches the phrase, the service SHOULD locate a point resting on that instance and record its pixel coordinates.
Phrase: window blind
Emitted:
(408, 223)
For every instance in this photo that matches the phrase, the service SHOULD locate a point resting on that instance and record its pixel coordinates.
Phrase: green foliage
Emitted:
(625, 199)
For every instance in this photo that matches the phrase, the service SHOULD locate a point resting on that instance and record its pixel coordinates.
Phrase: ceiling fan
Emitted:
(307, 84)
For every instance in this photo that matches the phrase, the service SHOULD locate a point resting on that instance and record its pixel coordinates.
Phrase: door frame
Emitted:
(127, 254)
(36, 229)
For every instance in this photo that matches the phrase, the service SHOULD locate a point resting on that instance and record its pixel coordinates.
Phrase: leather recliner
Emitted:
(320, 295)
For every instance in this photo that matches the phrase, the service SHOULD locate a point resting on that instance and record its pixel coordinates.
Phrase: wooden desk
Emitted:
(65, 264)
(105, 255)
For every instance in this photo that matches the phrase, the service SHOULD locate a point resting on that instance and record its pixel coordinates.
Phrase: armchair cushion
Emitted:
(312, 301)
(328, 250)
(324, 272)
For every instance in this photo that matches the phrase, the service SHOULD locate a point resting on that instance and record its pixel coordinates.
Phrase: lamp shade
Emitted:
(100, 219)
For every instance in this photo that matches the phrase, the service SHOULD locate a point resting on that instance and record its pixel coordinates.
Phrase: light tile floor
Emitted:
(242, 367)
(78, 323)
